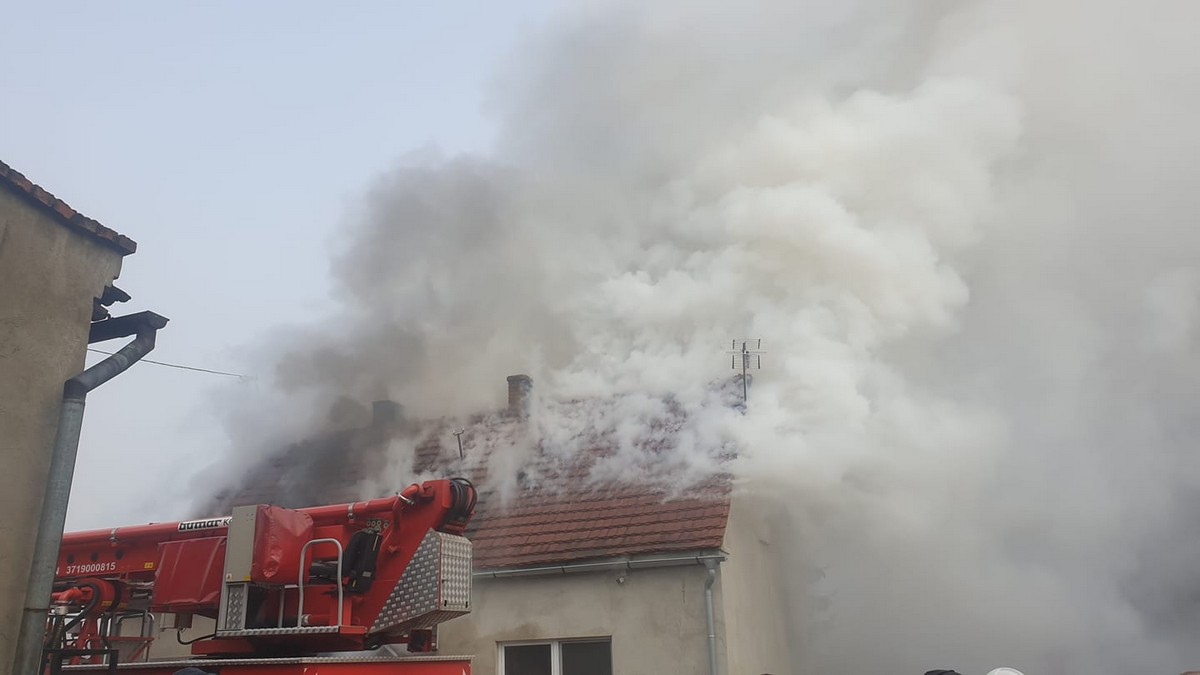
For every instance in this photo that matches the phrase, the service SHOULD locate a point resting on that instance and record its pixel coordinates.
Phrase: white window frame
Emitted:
(555, 650)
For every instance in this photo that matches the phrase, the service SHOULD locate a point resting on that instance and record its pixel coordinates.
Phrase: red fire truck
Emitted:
(287, 590)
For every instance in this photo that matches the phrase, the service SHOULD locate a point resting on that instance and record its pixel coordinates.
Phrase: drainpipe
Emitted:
(711, 566)
(28, 658)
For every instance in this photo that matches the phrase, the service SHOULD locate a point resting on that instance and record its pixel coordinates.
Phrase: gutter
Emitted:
(696, 558)
(145, 325)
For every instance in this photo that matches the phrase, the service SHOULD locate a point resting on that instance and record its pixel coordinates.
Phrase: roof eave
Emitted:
(39, 197)
(683, 558)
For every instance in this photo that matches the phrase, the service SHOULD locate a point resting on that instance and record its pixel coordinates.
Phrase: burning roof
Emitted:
(542, 501)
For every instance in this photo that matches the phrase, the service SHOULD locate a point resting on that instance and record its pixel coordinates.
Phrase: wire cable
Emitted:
(176, 365)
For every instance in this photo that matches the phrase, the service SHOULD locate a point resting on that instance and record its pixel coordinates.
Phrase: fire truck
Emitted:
(287, 591)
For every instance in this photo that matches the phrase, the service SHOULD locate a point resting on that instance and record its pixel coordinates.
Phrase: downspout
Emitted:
(28, 657)
(711, 566)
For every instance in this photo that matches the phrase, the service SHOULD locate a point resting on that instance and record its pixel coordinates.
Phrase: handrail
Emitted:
(338, 581)
(282, 601)
(147, 622)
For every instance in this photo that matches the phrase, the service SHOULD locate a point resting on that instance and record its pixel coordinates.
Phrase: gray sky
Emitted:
(230, 140)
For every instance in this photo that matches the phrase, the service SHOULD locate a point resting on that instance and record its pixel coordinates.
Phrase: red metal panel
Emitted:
(185, 563)
(415, 668)
(278, 537)
(189, 575)
(442, 666)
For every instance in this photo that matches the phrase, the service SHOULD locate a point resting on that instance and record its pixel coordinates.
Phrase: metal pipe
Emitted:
(598, 566)
(711, 566)
(321, 515)
(28, 657)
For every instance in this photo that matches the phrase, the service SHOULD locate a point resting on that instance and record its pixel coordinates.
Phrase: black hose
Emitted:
(180, 640)
(86, 608)
(58, 635)
(118, 593)
(463, 496)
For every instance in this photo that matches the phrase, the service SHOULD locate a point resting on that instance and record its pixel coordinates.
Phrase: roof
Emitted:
(546, 527)
(557, 510)
(68, 216)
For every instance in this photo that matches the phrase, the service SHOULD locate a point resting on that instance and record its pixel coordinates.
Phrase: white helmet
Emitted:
(1005, 671)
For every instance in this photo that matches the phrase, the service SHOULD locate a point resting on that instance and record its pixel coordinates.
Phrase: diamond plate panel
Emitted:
(456, 573)
(435, 588)
(235, 607)
(305, 630)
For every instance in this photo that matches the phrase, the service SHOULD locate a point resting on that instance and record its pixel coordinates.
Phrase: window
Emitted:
(556, 657)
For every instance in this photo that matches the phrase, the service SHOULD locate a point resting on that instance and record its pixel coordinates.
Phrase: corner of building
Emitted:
(751, 607)
(52, 276)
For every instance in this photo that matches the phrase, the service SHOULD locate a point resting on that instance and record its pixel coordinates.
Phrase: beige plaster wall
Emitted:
(49, 275)
(655, 618)
(752, 582)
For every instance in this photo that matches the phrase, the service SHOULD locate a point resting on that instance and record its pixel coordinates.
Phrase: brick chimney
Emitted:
(519, 387)
(386, 414)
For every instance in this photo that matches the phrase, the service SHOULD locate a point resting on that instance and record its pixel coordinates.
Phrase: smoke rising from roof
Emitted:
(963, 230)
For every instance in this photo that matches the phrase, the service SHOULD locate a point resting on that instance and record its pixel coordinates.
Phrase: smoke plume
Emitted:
(964, 232)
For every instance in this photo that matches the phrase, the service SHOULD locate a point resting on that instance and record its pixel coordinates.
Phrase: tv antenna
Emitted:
(458, 435)
(746, 355)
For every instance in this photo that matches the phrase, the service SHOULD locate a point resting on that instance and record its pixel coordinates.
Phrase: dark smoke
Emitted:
(964, 230)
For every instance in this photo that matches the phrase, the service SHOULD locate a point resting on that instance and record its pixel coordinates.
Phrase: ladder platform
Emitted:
(418, 664)
(286, 630)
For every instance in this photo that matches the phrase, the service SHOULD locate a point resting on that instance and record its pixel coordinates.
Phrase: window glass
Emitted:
(586, 658)
(527, 660)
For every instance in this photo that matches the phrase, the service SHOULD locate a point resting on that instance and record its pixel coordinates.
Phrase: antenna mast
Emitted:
(458, 435)
(749, 352)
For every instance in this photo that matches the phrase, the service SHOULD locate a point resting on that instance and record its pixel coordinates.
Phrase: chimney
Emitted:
(346, 413)
(519, 387)
(386, 414)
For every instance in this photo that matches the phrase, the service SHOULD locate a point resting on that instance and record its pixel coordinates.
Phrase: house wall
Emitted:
(49, 276)
(655, 618)
(753, 591)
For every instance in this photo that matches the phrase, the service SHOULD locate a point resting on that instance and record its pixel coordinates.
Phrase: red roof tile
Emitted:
(564, 515)
(33, 193)
(577, 521)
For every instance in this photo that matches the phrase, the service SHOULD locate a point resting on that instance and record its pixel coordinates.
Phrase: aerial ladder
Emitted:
(286, 591)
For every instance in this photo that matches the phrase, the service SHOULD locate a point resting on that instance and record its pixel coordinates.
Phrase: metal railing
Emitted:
(341, 605)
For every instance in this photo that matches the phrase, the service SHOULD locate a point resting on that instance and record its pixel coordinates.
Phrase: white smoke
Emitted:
(963, 230)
